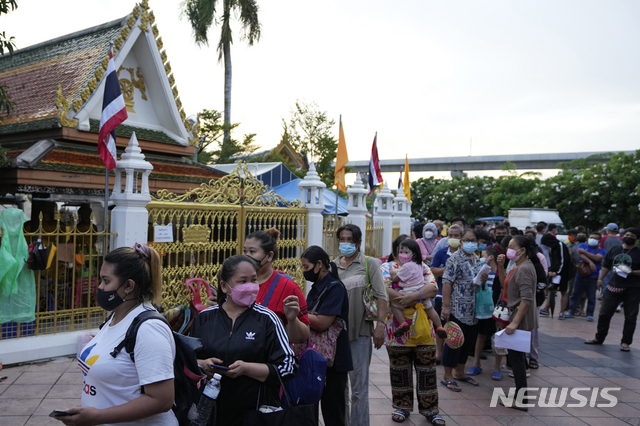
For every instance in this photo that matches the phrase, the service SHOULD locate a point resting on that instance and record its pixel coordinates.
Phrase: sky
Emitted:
(433, 78)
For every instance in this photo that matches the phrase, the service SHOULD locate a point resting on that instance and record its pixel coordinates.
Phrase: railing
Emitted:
(329, 239)
(373, 238)
(395, 230)
(65, 292)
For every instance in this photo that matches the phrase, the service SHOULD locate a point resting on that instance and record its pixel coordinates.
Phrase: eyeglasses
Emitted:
(469, 241)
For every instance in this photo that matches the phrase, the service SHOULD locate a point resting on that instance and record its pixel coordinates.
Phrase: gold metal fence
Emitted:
(65, 292)
(395, 230)
(209, 224)
(373, 238)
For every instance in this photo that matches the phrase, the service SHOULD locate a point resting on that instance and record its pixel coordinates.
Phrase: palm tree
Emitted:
(201, 14)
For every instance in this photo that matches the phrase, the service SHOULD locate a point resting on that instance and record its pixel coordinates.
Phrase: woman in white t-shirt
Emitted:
(117, 390)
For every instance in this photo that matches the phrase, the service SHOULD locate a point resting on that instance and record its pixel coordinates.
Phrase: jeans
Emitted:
(581, 284)
(361, 352)
(631, 298)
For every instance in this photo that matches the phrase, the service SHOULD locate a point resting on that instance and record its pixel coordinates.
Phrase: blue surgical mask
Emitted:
(482, 261)
(592, 242)
(482, 246)
(469, 247)
(347, 249)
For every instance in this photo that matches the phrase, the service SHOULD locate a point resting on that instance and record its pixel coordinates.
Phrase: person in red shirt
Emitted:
(278, 292)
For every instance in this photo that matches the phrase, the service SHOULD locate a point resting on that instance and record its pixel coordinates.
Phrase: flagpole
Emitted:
(105, 249)
(373, 201)
(335, 218)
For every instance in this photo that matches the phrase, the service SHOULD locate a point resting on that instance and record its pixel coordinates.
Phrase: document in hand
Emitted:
(520, 340)
(485, 268)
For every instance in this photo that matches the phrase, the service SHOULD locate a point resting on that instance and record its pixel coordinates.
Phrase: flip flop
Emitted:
(496, 376)
(435, 420)
(592, 342)
(449, 385)
(404, 414)
(624, 347)
(469, 380)
(474, 371)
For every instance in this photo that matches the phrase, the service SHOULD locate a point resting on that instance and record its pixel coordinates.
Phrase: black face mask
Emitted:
(311, 275)
(630, 241)
(108, 300)
(259, 262)
(582, 239)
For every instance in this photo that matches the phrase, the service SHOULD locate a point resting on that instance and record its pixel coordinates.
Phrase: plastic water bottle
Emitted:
(207, 403)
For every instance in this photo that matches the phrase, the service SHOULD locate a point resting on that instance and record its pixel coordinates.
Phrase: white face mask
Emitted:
(428, 235)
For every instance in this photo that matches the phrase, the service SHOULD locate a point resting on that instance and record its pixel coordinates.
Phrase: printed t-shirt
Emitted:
(110, 381)
(619, 256)
(334, 302)
(285, 288)
(460, 271)
(596, 250)
(439, 260)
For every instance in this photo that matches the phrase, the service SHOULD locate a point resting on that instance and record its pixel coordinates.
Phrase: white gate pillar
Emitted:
(312, 195)
(358, 207)
(130, 217)
(385, 214)
(402, 212)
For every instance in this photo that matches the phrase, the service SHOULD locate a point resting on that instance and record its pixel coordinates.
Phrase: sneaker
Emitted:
(544, 312)
(590, 318)
(562, 316)
(512, 376)
(619, 308)
(568, 315)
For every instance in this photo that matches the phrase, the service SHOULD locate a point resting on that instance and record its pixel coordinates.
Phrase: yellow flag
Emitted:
(406, 185)
(342, 158)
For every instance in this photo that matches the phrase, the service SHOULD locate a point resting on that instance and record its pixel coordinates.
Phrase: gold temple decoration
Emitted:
(152, 18)
(196, 234)
(183, 116)
(136, 11)
(105, 62)
(172, 81)
(93, 83)
(155, 32)
(99, 73)
(159, 43)
(167, 67)
(127, 85)
(77, 104)
(163, 56)
(144, 21)
(175, 93)
(124, 32)
(131, 21)
(117, 44)
(187, 125)
(85, 94)
(61, 102)
(145, 4)
(179, 104)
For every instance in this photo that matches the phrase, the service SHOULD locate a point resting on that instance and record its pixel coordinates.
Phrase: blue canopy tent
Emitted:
(495, 218)
(290, 191)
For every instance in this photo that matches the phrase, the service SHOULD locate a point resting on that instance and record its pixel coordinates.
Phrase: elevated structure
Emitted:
(457, 165)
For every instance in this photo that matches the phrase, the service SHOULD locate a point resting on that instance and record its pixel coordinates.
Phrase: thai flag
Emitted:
(114, 112)
(375, 174)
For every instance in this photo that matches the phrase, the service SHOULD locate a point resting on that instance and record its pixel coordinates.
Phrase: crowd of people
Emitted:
(258, 312)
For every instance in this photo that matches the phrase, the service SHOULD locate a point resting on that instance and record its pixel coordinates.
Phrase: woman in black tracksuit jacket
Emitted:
(247, 338)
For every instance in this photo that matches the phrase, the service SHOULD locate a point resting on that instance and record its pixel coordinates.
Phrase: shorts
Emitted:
(487, 327)
(563, 286)
(437, 305)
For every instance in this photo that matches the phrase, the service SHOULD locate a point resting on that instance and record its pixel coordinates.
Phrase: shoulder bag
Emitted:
(370, 302)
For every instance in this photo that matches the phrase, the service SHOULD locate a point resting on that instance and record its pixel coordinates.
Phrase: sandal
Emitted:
(474, 371)
(469, 380)
(592, 342)
(624, 347)
(496, 376)
(402, 328)
(452, 386)
(435, 419)
(400, 415)
(533, 364)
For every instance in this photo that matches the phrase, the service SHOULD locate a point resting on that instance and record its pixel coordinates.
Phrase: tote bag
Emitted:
(484, 302)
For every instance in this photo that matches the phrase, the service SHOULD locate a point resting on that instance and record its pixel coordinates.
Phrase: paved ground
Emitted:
(30, 392)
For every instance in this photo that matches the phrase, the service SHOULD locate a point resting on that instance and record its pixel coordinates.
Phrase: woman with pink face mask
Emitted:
(244, 342)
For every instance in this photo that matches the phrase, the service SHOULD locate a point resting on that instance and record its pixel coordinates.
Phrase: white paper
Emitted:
(556, 279)
(163, 234)
(619, 272)
(485, 268)
(520, 340)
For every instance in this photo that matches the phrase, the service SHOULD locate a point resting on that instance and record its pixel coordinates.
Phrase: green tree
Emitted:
(202, 14)
(512, 190)
(310, 132)
(211, 135)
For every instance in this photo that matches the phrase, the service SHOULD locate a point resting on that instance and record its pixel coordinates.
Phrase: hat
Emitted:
(455, 337)
(612, 227)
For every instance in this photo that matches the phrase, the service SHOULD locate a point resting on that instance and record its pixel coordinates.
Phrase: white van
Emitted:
(521, 218)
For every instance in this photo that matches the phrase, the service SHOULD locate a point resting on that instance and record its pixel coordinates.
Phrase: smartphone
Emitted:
(218, 366)
(59, 413)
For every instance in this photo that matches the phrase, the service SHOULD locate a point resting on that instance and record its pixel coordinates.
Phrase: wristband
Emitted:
(441, 328)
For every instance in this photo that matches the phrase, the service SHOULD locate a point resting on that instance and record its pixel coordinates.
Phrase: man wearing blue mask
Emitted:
(352, 271)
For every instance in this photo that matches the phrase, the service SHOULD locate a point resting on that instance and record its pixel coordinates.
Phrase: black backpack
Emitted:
(188, 376)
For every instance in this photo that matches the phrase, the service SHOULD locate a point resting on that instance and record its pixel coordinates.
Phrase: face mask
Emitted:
(512, 255)
(469, 247)
(571, 239)
(259, 262)
(630, 241)
(428, 235)
(108, 300)
(592, 242)
(454, 242)
(582, 239)
(347, 249)
(482, 261)
(482, 246)
(310, 275)
(405, 258)
(244, 294)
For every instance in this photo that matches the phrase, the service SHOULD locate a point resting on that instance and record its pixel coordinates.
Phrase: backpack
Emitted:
(308, 384)
(188, 376)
